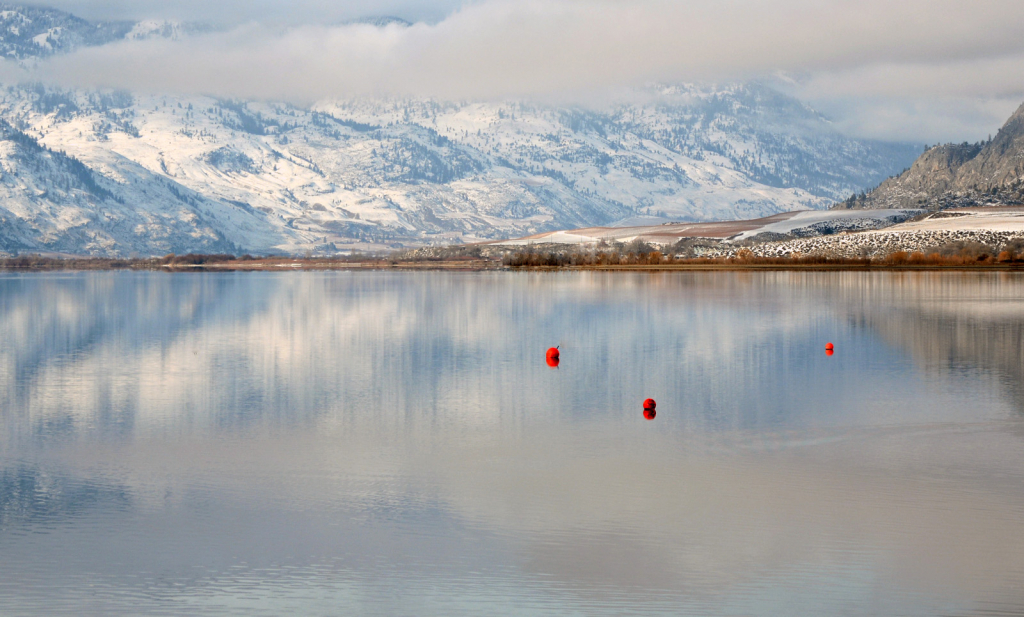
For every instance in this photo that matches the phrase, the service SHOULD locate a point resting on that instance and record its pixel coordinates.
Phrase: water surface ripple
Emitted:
(395, 444)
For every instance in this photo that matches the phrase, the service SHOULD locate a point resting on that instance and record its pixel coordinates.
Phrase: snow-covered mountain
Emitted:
(155, 174)
(33, 32)
(28, 32)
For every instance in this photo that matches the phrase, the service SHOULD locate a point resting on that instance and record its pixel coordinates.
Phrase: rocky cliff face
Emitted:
(987, 173)
(1000, 164)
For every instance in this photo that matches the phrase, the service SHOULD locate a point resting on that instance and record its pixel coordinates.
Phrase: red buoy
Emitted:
(650, 404)
(829, 347)
(553, 353)
(650, 413)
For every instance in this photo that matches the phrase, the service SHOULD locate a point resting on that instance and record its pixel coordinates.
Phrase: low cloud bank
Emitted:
(914, 65)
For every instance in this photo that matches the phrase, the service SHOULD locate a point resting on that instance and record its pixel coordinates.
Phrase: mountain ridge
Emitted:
(199, 172)
(958, 175)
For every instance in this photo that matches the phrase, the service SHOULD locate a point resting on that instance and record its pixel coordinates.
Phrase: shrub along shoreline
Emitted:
(634, 256)
(640, 255)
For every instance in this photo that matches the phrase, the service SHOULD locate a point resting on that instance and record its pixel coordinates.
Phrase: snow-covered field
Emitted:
(1001, 219)
(831, 233)
(801, 223)
(829, 221)
(993, 227)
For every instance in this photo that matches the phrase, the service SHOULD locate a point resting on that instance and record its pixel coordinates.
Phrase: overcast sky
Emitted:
(921, 70)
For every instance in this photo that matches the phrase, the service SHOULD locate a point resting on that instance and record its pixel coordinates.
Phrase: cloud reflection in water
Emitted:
(391, 443)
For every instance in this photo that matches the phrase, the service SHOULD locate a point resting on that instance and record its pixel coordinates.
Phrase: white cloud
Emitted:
(921, 119)
(947, 101)
(904, 57)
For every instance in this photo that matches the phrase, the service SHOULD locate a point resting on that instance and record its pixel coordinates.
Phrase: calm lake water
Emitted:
(395, 444)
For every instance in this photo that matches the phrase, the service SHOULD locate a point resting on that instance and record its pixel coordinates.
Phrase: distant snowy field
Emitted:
(994, 219)
(802, 223)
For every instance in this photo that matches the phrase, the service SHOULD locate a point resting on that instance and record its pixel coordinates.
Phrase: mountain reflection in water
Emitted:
(387, 443)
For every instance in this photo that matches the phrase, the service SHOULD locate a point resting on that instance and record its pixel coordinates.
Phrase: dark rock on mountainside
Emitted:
(957, 175)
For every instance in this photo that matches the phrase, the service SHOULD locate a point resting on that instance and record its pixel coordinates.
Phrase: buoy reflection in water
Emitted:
(649, 414)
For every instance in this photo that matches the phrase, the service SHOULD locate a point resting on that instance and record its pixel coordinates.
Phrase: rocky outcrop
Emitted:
(957, 175)
(1000, 164)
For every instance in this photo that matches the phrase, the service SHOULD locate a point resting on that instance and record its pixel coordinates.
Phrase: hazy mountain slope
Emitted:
(988, 173)
(388, 172)
(772, 138)
(30, 32)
